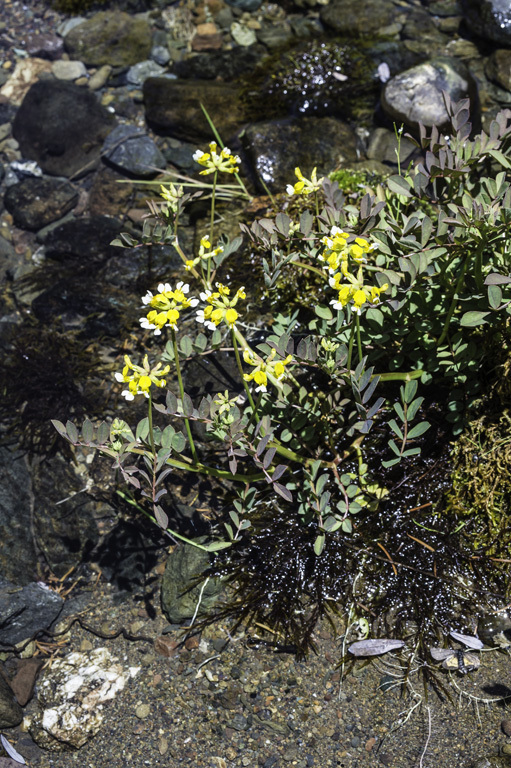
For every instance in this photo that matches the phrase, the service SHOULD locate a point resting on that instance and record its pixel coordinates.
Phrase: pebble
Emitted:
(142, 711)
(68, 70)
(506, 727)
(100, 77)
(242, 35)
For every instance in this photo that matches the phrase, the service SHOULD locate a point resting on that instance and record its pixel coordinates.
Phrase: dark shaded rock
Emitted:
(174, 107)
(64, 516)
(17, 554)
(275, 36)
(110, 37)
(11, 713)
(23, 682)
(180, 154)
(128, 553)
(245, 5)
(498, 68)
(228, 65)
(26, 611)
(86, 239)
(107, 197)
(324, 142)
(416, 95)
(8, 259)
(62, 127)
(132, 151)
(383, 146)
(34, 202)
(489, 18)
(178, 598)
(357, 17)
(47, 45)
(78, 306)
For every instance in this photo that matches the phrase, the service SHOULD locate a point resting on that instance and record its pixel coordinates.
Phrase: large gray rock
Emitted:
(26, 611)
(179, 599)
(34, 202)
(11, 713)
(490, 19)
(174, 107)
(62, 127)
(357, 17)
(17, 554)
(498, 68)
(416, 95)
(110, 37)
(322, 142)
(131, 150)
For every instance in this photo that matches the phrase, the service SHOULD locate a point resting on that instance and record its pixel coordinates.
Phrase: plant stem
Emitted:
(350, 343)
(150, 420)
(359, 341)
(450, 313)
(240, 369)
(212, 221)
(182, 393)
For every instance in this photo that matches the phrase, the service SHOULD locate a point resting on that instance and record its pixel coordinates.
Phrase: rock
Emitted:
(131, 150)
(179, 599)
(17, 555)
(494, 629)
(415, 95)
(100, 77)
(47, 45)
(498, 68)
(245, 5)
(138, 73)
(383, 146)
(506, 727)
(23, 682)
(227, 65)
(107, 197)
(34, 202)
(11, 713)
(242, 35)
(489, 18)
(275, 36)
(62, 127)
(87, 239)
(26, 73)
(110, 37)
(67, 25)
(357, 17)
(207, 38)
(180, 154)
(72, 694)
(68, 70)
(26, 611)
(64, 519)
(174, 106)
(324, 142)
(160, 54)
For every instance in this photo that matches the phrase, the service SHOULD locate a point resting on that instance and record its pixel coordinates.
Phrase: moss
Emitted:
(481, 479)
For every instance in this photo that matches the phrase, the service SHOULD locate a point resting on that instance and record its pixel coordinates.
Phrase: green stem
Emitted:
(212, 221)
(350, 343)
(359, 341)
(454, 300)
(240, 369)
(182, 393)
(150, 419)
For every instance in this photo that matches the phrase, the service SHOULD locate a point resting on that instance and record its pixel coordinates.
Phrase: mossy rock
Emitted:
(182, 590)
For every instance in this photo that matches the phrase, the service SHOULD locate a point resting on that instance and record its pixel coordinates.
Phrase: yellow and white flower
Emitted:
(219, 307)
(166, 306)
(140, 378)
(263, 368)
(304, 186)
(214, 161)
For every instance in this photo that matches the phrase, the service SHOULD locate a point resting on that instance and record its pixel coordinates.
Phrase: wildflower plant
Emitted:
(398, 296)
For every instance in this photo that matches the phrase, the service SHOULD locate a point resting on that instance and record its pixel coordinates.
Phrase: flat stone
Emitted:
(100, 77)
(26, 610)
(36, 202)
(11, 713)
(47, 45)
(138, 73)
(68, 70)
(110, 37)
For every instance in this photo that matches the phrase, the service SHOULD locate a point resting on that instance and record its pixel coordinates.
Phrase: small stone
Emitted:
(100, 77)
(68, 70)
(165, 646)
(163, 745)
(506, 727)
(191, 643)
(506, 749)
(370, 744)
(143, 711)
(242, 35)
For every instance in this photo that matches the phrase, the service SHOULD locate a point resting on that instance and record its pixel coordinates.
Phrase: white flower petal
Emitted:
(127, 394)
(119, 377)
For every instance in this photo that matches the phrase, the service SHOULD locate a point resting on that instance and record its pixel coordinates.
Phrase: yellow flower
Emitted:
(140, 378)
(219, 307)
(264, 368)
(215, 161)
(304, 186)
(205, 253)
(166, 306)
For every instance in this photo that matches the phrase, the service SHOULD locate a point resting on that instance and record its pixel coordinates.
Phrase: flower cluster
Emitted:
(214, 161)
(205, 253)
(337, 255)
(304, 186)
(166, 306)
(272, 367)
(219, 307)
(140, 378)
(171, 194)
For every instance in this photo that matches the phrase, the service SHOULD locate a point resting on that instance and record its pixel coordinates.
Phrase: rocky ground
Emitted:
(97, 114)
